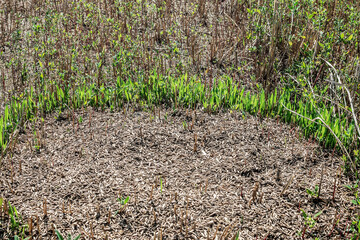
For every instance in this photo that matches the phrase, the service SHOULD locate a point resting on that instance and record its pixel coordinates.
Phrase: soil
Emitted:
(187, 175)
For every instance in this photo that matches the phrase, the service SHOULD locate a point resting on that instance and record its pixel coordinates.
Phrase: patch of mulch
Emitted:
(188, 176)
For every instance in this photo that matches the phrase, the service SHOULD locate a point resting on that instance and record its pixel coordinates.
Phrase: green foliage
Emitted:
(60, 237)
(314, 193)
(353, 187)
(182, 92)
(309, 221)
(18, 229)
(63, 59)
(123, 201)
(355, 228)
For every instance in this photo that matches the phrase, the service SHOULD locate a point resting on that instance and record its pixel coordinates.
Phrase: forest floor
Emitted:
(187, 175)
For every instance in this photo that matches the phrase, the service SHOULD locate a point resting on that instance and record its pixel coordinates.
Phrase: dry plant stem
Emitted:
(287, 185)
(151, 193)
(321, 180)
(195, 142)
(206, 185)
(349, 98)
(354, 169)
(217, 229)
(109, 218)
(91, 231)
(53, 230)
(38, 224)
(254, 193)
(45, 207)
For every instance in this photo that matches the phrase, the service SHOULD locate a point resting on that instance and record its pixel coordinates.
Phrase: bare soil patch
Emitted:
(230, 182)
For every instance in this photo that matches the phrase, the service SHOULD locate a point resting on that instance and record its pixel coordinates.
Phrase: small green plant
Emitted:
(123, 201)
(356, 201)
(17, 227)
(237, 236)
(17, 238)
(355, 228)
(353, 188)
(314, 193)
(161, 185)
(60, 236)
(184, 125)
(309, 221)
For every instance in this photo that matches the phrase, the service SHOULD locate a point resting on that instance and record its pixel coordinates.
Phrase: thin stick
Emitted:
(324, 124)
(288, 184)
(321, 179)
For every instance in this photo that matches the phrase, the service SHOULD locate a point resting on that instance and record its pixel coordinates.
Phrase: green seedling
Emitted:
(237, 236)
(353, 188)
(355, 228)
(313, 193)
(161, 185)
(184, 125)
(123, 201)
(18, 238)
(309, 221)
(60, 236)
(356, 201)
(17, 226)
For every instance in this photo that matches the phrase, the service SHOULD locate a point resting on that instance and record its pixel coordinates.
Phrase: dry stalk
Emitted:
(70, 211)
(225, 233)
(97, 212)
(180, 225)
(20, 166)
(30, 227)
(91, 231)
(254, 193)
(278, 174)
(38, 224)
(109, 218)
(354, 169)
(195, 142)
(154, 214)
(335, 179)
(12, 173)
(151, 193)
(216, 231)
(5, 209)
(53, 230)
(287, 185)
(349, 98)
(63, 208)
(206, 185)
(321, 180)
(45, 207)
